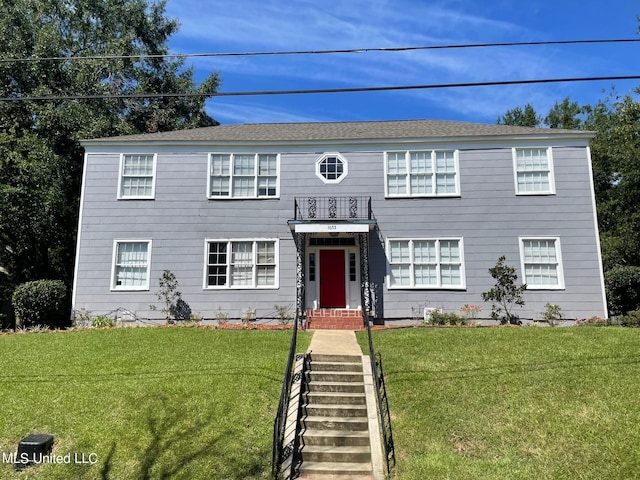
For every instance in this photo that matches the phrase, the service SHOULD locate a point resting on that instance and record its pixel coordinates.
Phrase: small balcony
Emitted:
(333, 208)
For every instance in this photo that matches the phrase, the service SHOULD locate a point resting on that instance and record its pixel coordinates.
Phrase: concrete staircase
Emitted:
(334, 432)
(334, 319)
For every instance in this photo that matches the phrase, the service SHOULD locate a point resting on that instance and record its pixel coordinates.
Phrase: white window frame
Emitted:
(434, 173)
(114, 279)
(552, 184)
(439, 285)
(254, 252)
(121, 176)
(345, 168)
(256, 176)
(559, 264)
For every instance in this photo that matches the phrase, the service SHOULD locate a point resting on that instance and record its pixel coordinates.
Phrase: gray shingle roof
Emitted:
(327, 131)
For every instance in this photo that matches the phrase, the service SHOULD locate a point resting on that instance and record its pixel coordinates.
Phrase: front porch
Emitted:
(334, 319)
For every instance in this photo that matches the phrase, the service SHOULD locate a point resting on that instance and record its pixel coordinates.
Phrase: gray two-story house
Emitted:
(387, 216)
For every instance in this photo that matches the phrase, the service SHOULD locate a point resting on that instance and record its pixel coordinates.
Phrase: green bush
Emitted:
(623, 288)
(447, 318)
(102, 321)
(42, 302)
(631, 319)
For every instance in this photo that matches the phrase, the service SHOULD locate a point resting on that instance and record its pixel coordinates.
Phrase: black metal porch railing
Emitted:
(279, 451)
(332, 208)
(381, 395)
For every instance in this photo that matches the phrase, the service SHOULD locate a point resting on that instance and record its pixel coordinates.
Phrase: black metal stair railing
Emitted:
(279, 451)
(381, 396)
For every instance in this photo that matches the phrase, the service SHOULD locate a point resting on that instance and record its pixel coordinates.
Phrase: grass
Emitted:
(513, 403)
(150, 403)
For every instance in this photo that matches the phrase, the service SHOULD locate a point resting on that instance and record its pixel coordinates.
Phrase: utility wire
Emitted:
(319, 90)
(318, 52)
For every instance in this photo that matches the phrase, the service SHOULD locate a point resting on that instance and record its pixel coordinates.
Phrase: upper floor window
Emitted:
(426, 263)
(541, 263)
(137, 176)
(331, 168)
(131, 263)
(243, 175)
(533, 169)
(241, 264)
(422, 173)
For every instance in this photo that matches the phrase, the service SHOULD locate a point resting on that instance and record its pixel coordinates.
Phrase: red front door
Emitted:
(332, 284)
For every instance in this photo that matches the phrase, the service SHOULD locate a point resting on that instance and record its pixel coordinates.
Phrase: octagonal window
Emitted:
(331, 168)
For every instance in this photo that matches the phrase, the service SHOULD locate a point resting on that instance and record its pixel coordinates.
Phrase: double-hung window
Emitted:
(533, 169)
(422, 173)
(131, 263)
(241, 264)
(426, 263)
(243, 175)
(542, 263)
(137, 176)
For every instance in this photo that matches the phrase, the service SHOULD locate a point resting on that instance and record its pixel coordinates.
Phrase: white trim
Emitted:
(76, 267)
(439, 286)
(254, 285)
(597, 232)
(256, 176)
(552, 182)
(560, 271)
(331, 227)
(120, 196)
(345, 168)
(434, 173)
(113, 286)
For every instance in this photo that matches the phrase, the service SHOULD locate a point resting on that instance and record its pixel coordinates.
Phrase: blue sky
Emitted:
(280, 25)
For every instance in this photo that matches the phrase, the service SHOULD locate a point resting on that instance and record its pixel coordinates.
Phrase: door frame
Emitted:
(352, 293)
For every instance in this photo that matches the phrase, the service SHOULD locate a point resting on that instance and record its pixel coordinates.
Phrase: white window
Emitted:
(331, 168)
(541, 263)
(533, 169)
(243, 175)
(426, 263)
(241, 264)
(131, 263)
(137, 176)
(422, 173)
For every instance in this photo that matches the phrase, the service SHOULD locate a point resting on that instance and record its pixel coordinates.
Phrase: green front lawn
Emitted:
(513, 403)
(148, 403)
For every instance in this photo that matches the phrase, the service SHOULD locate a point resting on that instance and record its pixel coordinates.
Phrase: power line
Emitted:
(319, 90)
(318, 52)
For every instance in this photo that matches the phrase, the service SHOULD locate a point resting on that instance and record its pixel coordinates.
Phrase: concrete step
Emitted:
(335, 398)
(321, 376)
(331, 366)
(340, 454)
(336, 437)
(329, 410)
(352, 424)
(323, 357)
(346, 387)
(346, 470)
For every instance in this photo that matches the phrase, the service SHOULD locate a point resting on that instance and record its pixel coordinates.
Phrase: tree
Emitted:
(517, 116)
(40, 154)
(566, 114)
(505, 294)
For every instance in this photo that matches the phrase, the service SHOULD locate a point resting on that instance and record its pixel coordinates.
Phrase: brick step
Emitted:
(330, 470)
(336, 437)
(332, 410)
(334, 312)
(335, 398)
(351, 424)
(320, 376)
(335, 323)
(339, 454)
(331, 366)
(327, 386)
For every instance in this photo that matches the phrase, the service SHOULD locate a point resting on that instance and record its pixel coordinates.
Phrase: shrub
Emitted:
(173, 306)
(623, 288)
(222, 317)
(100, 321)
(447, 318)
(42, 302)
(505, 294)
(631, 319)
(285, 315)
(593, 321)
(552, 314)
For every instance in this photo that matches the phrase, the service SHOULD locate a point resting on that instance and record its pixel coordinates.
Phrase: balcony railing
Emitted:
(332, 208)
